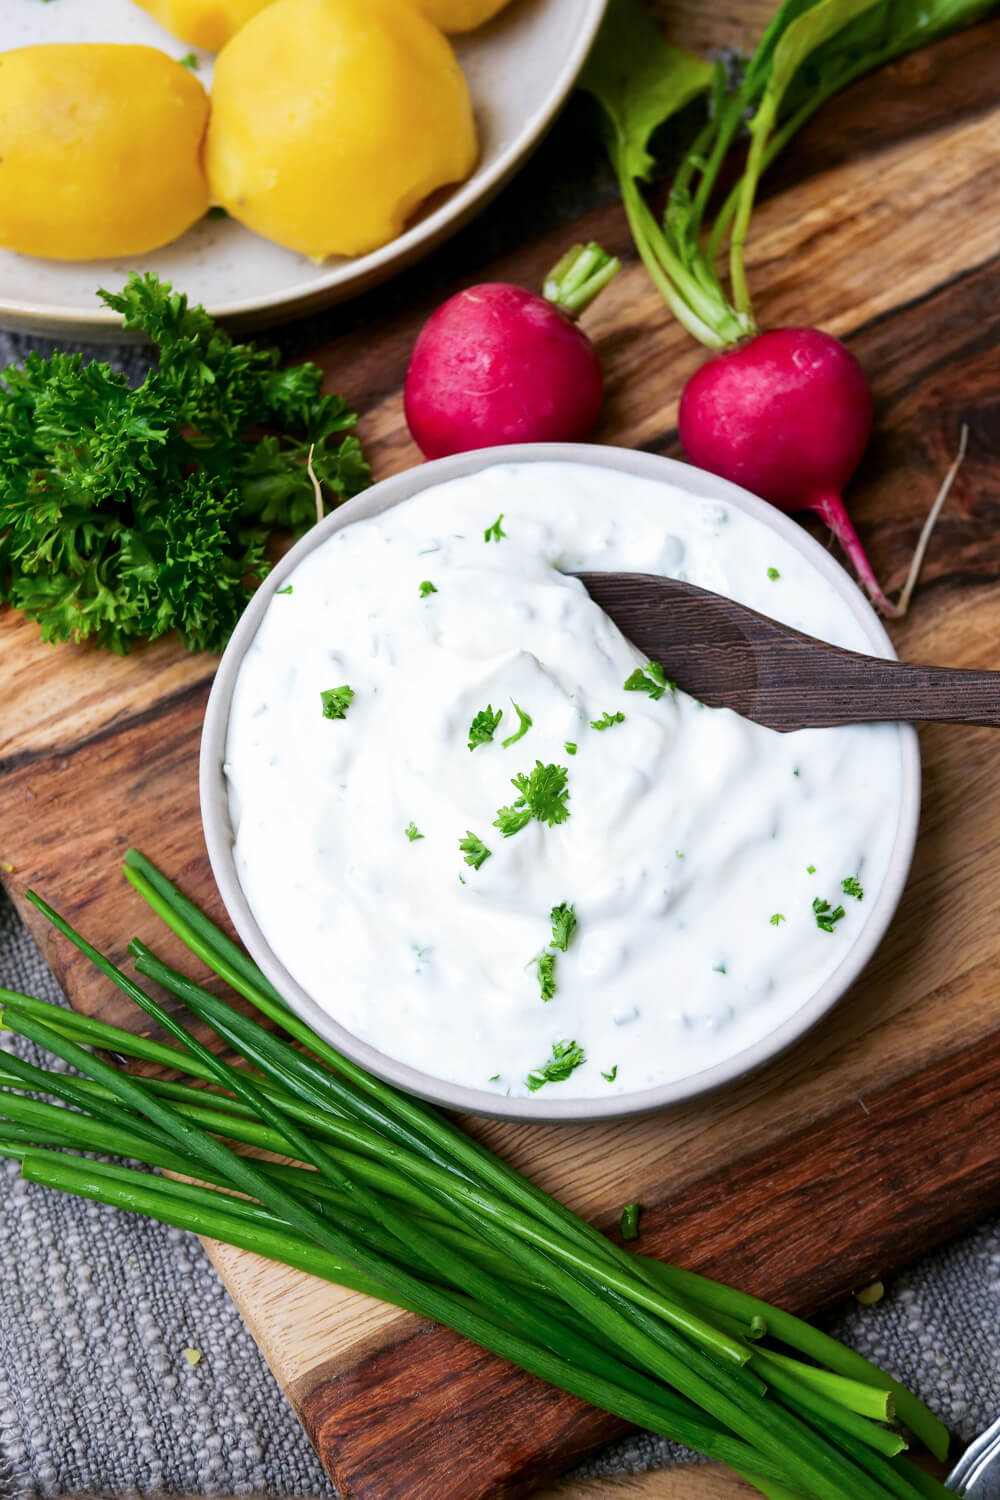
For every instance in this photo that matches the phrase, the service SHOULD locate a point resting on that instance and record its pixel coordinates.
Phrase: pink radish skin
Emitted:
(498, 364)
(786, 416)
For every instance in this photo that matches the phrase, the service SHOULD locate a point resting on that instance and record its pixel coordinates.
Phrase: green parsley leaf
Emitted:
(566, 1056)
(336, 702)
(651, 679)
(495, 532)
(569, 747)
(189, 61)
(563, 919)
(679, 853)
(606, 720)
(773, 574)
(413, 833)
(522, 729)
(475, 851)
(851, 886)
(493, 1078)
(810, 869)
(546, 964)
(718, 968)
(484, 726)
(612, 1075)
(778, 918)
(286, 590)
(127, 513)
(628, 1226)
(511, 820)
(544, 794)
(827, 917)
(427, 588)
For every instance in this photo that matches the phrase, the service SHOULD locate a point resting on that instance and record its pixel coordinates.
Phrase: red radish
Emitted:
(787, 416)
(498, 364)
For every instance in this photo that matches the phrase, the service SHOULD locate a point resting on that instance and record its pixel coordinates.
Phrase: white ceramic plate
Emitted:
(520, 70)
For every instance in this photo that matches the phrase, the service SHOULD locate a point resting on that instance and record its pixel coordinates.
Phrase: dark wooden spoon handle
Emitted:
(848, 688)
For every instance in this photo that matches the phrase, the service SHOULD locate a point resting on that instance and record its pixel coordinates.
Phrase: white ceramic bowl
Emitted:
(520, 70)
(219, 834)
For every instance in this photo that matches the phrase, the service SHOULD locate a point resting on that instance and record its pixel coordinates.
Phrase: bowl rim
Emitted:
(355, 274)
(219, 838)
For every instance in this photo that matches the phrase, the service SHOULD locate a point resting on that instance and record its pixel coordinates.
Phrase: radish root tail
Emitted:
(830, 508)
(920, 551)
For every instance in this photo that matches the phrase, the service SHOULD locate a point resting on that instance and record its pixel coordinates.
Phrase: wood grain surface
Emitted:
(879, 1133)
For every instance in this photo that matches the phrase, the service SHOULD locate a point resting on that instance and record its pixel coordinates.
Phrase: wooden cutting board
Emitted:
(879, 1134)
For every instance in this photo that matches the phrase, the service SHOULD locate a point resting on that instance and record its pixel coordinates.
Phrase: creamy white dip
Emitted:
(695, 843)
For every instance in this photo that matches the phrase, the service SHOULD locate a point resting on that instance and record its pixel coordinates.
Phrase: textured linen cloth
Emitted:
(98, 1307)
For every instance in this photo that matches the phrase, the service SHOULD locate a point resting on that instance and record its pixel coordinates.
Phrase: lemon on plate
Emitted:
(100, 150)
(333, 120)
(460, 15)
(203, 23)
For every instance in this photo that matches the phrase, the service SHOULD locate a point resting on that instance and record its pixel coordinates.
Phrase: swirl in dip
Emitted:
(717, 872)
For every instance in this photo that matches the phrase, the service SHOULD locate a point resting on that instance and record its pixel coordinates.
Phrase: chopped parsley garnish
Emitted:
(495, 532)
(544, 794)
(189, 61)
(826, 916)
(566, 1056)
(628, 1226)
(652, 680)
(569, 747)
(484, 726)
(546, 963)
(413, 833)
(679, 853)
(522, 728)
(563, 925)
(606, 720)
(612, 1075)
(773, 574)
(336, 702)
(718, 968)
(494, 1078)
(810, 869)
(852, 887)
(475, 851)
(286, 590)
(427, 588)
(778, 918)
(511, 820)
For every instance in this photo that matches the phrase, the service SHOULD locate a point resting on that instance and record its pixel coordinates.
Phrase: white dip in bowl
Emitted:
(691, 844)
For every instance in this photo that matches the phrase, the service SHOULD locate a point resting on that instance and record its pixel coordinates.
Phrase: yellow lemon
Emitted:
(100, 150)
(203, 23)
(460, 15)
(332, 121)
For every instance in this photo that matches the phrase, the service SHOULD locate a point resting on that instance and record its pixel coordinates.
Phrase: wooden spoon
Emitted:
(732, 657)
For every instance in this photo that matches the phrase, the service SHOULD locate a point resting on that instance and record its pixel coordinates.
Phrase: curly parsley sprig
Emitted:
(129, 512)
(544, 795)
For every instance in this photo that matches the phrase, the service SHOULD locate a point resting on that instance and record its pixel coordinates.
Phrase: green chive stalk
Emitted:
(395, 1200)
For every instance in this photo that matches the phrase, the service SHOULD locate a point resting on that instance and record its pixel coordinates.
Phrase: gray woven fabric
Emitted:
(97, 1307)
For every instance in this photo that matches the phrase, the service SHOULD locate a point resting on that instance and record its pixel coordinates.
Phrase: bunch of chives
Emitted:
(388, 1197)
